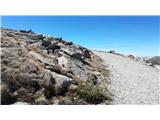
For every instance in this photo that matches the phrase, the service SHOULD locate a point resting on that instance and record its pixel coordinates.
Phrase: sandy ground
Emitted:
(131, 82)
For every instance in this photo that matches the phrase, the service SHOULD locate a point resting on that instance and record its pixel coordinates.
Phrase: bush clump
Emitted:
(91, 93)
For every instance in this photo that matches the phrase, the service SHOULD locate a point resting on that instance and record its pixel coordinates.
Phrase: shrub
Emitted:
(90, 93)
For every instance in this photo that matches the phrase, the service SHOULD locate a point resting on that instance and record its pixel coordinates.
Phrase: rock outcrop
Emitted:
(149, 61)
(37, 69)
(154, 60)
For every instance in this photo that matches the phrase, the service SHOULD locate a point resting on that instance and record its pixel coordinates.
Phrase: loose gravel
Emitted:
(131, 82)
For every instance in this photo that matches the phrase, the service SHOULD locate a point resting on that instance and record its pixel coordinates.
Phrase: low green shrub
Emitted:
(90, 93)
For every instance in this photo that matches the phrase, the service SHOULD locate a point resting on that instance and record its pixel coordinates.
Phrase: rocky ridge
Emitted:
(149, 61)
(38, 69)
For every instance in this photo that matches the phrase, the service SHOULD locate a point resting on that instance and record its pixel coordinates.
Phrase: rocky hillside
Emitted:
(38, 69)
(154, 60)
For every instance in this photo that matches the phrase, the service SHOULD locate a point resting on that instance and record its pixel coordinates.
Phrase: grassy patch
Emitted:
(90, 93)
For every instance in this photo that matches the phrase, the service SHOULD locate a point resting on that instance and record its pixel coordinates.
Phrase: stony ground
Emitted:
(131, 82)
(38, 69)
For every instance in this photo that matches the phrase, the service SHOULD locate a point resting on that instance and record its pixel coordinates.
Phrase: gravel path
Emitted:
(131, 82)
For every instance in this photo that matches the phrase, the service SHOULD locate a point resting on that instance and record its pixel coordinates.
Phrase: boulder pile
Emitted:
(150, 61)
(42, 70)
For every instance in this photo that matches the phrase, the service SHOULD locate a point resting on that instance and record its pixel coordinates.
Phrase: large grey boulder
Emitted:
(49, 60)
(86, 53)
(46, 43)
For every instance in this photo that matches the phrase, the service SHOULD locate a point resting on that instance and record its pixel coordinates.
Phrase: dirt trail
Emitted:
(131, 82)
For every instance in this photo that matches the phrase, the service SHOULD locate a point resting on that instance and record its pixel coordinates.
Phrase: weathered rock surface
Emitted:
(154, 60)
(37, 69)
(150, 61)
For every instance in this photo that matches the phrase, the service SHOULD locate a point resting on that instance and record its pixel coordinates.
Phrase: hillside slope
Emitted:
(38, 69)
(131, 82)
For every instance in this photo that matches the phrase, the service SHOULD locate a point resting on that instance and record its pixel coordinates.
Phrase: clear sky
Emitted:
(138, 35)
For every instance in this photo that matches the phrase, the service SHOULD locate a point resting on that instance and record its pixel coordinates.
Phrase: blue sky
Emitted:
(138, 35)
